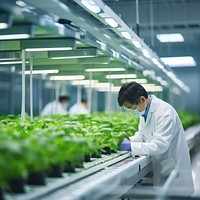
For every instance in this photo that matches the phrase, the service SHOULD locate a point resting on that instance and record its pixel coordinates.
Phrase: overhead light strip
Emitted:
(184, 61)
(120, 76)
(48, 49)
(14, 36)
(91, 5)
(172, 37)
(54, 71)
(105, 69)
(71, 77)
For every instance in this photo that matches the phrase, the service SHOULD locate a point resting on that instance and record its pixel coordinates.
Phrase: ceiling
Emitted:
(164, 16)
(48, 22)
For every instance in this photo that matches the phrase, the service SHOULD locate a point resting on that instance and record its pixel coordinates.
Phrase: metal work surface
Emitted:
(127, 172)
(34, 192)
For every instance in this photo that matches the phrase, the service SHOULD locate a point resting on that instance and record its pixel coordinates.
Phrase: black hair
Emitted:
(131, 92)
(84, 100)
(64, 98)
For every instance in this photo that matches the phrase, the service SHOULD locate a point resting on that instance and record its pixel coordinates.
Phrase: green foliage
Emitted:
(188, 118)
(36, 146)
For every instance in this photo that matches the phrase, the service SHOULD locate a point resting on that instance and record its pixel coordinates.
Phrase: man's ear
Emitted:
(142, 99)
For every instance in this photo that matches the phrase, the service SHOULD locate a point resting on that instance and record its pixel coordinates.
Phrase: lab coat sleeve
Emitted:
(138, 137)
(162, 137)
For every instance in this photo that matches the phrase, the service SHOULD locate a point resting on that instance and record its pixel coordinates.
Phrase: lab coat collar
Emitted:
(152, 108)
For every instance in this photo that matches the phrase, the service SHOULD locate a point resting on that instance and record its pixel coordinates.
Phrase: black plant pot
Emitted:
(69, 167)
(1, 194)
(55, 171)
(36, 178)
(87, 158)
(16, 185)
(96, 154)
(106, 150)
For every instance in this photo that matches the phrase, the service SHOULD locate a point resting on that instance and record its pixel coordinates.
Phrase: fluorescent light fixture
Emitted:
(8, 59)
(110, 21)
(142, 80)
(60, 58)
(126, 34)
(173, 37)
(107, 36)
(11, 62)
(155, 61)
(184, 61)
(14, 36)
(53, 71)
(5, 20)
(120, 76)
(100, 85)
(68, 78)
(49, 44)
(146, 53)
(49, 49)
(90, 5)
(105, 70)
(152, 87)
(137, 44)
(76, 53)
(84, 82)
(106, 89)
(3, 25)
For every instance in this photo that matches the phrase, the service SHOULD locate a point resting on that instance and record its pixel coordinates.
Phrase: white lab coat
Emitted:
(78, 108)
(54, 108)
(163, 138)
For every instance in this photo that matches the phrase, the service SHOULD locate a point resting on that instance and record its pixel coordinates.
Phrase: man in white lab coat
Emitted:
(160, 135)
(57, 107)
(80, 108)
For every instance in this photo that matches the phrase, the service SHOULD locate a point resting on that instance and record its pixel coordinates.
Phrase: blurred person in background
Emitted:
(160, 136)
(57, 107)
(80, 108)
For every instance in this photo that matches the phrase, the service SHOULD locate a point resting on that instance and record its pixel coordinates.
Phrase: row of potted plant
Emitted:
(47, 146)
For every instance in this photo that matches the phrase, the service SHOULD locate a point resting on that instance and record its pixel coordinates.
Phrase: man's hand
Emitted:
(125, 145)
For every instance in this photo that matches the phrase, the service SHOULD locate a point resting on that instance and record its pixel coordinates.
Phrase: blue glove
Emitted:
(125, 145)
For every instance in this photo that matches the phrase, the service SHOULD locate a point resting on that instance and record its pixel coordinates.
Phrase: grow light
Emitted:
(84, 82)
(142, 80)
(126, 34)
(53, 71)
(49, 49)
(90, 5)
(120, 76)
(105, 70)
(110, 21)
(14, 36)
(137, 44)
(71, 77)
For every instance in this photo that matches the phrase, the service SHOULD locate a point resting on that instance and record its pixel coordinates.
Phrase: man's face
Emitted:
(140, 106)
(65, 103)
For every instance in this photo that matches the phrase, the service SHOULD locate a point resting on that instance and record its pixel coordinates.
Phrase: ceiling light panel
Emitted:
(184, 61)
(173, 37)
